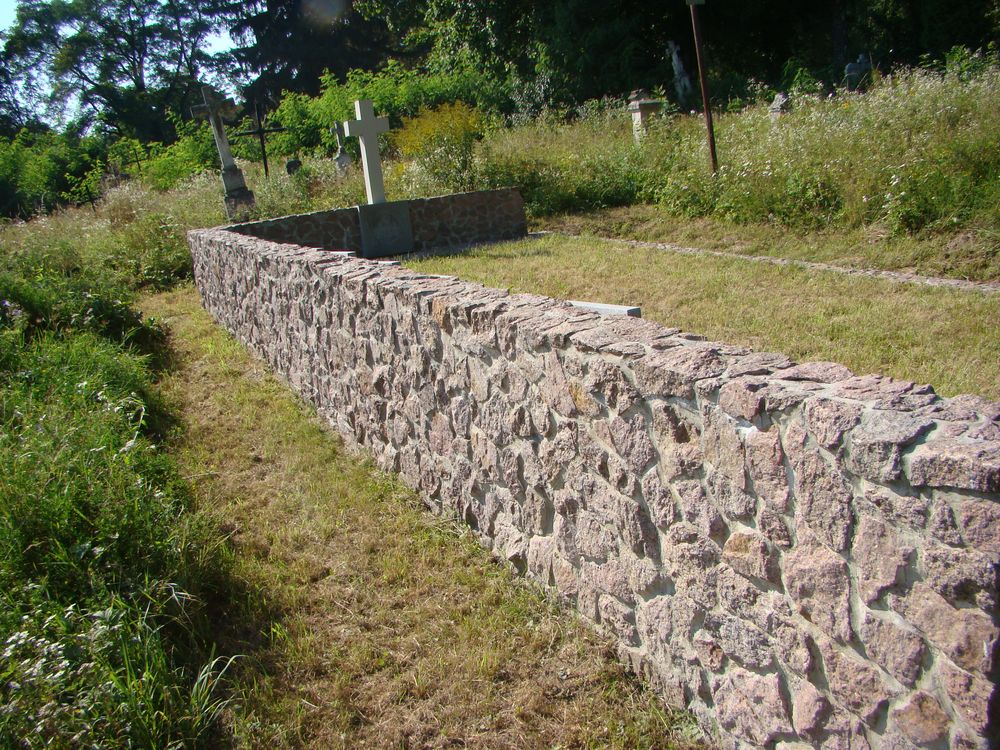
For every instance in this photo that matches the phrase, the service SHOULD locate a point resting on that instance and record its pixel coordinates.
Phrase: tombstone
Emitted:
(366, 129)
(780, 105)
(643, 109)
(239, 199)
(855, 72)
(293, 165)
(385, 227)
(682, 81)
(343, 159)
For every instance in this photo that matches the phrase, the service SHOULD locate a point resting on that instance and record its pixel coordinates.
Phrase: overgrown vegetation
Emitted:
(916, 155)
(103, 572)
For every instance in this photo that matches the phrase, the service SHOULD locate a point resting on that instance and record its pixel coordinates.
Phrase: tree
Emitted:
(119, 63)
(286, 45)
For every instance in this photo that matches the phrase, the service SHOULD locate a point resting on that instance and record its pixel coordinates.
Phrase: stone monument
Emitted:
(643, 109)
(343, 159)
(385, 227)
(682, 81)
(239, 199)
(779, 106)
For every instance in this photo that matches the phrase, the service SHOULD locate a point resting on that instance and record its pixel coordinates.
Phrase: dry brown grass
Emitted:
(944, 337)
(366, 622)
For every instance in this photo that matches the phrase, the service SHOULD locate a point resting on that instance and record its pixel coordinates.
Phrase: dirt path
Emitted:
(364, 621)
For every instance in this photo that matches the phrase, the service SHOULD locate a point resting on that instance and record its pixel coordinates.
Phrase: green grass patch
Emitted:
(973, 254)
(104, 571)
(938, 336)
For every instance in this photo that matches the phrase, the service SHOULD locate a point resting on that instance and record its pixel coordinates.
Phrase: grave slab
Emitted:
(385, 229)
(601, 308)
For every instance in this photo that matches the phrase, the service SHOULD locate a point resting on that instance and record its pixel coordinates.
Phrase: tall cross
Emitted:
(366, 128)
(138, 157)
(213, 110)
(238, 197)
(259, 130)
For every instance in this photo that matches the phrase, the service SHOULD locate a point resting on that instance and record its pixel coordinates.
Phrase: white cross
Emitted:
(366, 128)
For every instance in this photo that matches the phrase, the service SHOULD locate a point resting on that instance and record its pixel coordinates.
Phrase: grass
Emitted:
(390, 628)
(103, 568)
(944, 337)
(972, 254)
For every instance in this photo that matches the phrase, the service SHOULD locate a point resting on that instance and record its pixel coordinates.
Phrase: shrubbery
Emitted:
(919, 150)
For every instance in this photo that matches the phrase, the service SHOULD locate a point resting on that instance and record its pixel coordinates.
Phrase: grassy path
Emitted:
(364, 621)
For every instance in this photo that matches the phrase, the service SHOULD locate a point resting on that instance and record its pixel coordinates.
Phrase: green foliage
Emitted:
(40, 170)
(441, 143)
(193, 151)
(919, 151)
(100, 563)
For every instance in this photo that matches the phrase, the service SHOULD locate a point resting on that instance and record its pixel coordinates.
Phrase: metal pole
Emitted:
(704, 87)
(260, 136)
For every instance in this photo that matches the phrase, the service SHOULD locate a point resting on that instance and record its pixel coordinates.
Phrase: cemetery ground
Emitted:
(260, 536)
(367, 622)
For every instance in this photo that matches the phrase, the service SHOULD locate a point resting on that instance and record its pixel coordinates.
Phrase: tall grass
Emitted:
(103, 571)
(919, 151)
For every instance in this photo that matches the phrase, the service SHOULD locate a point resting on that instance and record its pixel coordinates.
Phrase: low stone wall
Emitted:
(796, 553)
(441, 222)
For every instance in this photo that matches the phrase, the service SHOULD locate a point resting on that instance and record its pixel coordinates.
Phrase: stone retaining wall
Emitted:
(441, 222)
(796, 553)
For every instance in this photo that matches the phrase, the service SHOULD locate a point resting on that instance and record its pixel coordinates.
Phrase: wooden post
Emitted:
(696, 26)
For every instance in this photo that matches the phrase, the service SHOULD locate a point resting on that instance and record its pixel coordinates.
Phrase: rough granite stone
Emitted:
(824, 495)
(969, 694)
(979, 523)
(967, 636)
(899, 651)
(881, 558)
(817, 581)
(855, 683)
(921, 719)
(828, 419)
(805, 557)
(964, 464)
(766, 466)
(877, 444)
(750, 555)
(751, 705)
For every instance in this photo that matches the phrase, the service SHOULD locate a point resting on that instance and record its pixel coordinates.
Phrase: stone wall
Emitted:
(441, 222)
(796, 553)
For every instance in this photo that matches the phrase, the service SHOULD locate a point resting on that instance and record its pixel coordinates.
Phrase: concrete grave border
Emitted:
(802, 556)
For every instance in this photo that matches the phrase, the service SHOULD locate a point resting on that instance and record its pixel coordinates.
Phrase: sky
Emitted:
(7, 12)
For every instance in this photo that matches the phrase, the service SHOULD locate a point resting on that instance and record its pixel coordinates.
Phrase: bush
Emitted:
(441, 142)
(193, 151)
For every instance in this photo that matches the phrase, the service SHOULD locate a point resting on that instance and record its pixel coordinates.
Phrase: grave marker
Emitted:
(260, 131)
(366, 128)
(385, 227)
(239, 199)
(343, 159)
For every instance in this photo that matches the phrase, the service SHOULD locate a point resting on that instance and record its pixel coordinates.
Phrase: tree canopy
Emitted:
(120, 65)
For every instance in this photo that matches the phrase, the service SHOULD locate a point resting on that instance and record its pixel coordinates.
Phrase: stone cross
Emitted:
(343, 159)
(366, 128)
(643, 108)
(238, 197)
